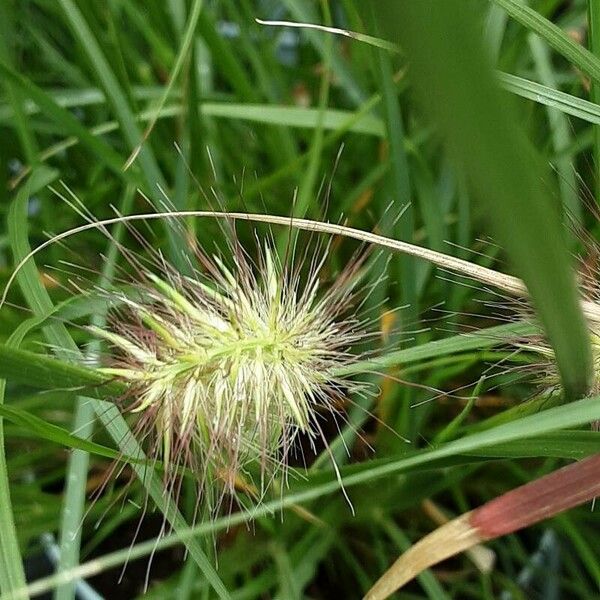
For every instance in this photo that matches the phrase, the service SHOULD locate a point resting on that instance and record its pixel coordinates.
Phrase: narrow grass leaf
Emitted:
(575, 414)
(480, 129)
(360, 37)
(47, 373)
(182, 55)
(40, 303)
(542, 94)
(305, 13)
(594, 46)
(41, 429)
(151, 173)
(560, 134)
(12, 575)
(575, 53)
(64, 119)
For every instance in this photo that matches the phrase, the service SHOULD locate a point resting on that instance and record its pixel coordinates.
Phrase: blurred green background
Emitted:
(481, 132)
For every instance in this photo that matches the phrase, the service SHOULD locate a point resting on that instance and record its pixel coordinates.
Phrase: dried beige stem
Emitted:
(481, 556)
(507, 283)
(446, 541)
(530, 503)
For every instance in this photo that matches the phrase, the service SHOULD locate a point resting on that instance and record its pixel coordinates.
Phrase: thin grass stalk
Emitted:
(83, 425)
(594, 47)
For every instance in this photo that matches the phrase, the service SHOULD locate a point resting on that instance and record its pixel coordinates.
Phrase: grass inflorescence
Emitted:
(226, 366)
(174, 372)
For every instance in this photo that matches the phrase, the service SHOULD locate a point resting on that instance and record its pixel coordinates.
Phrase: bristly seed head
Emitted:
(545, 370)
(224, 373)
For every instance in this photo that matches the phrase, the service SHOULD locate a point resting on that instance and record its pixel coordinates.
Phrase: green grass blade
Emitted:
(44, 372)
(580, 57)
(63, 118)
(275, 114)
(478, 340)
(566, 103)
(75, 490)
(480, 129)
(399, 187)
(12, 576)
(305, 13)
(182, 55)
(43, 430)
(152, 175)
(560, 132)
(40, 303)
(573, 444)
(594, 46)
(115, 95)
(495, 28)
(575, 414)
(24, 131)
(308, 178)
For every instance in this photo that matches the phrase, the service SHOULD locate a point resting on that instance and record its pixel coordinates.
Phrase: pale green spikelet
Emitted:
(225, 373)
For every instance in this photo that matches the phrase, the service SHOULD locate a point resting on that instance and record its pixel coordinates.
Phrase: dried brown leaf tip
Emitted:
(526, 505)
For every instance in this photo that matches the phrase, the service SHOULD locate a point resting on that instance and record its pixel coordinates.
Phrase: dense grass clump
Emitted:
(199, 405)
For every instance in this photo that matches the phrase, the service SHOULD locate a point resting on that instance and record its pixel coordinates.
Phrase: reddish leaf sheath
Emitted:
(565, 488)
(543, 498)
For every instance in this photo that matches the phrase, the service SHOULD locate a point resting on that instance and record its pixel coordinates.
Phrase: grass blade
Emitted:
(12, 576)
(308, 180)
(594, 46)
(58, 336)
(577, 413)
(184, 50)
(580, 57)
(24, 131)
(566, 103)
(39, 301)
(524, 506)
(75, 491)
(480, 131)
(46, 373)
(560, 132)
(151, 173)
(63, 118)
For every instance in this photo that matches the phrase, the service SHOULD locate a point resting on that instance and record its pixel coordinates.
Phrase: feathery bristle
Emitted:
(225, 374)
